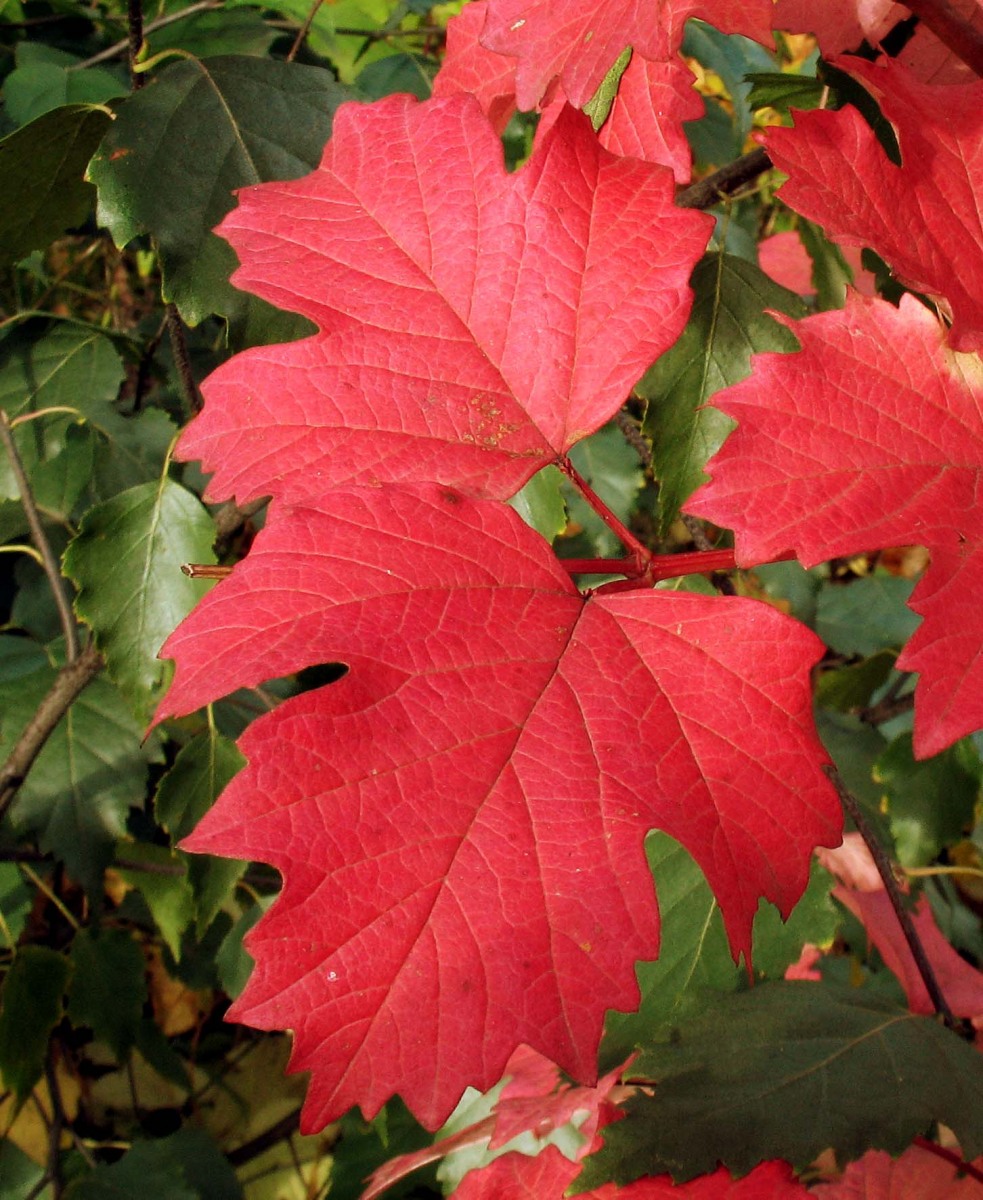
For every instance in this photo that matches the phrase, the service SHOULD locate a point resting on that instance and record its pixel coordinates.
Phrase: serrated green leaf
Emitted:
(929, 803)
(815, 919)
(727, 325)
(108, 988)
(830, 271)
(181, 146)
(126, 562)
(31, 1007)
(865, 615)
(200, 773)
(598, 107)
(43, 165)
(160, 876)
(91, 770)
(787, 1070)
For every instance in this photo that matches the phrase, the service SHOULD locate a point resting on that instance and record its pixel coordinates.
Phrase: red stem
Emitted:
(950, 1156)
(637, 553)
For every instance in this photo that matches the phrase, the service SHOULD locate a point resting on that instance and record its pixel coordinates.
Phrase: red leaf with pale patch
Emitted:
(548, 1175)
(871, 436)
(460, 820)
(474, 324)
(578, 41)
(923, 217)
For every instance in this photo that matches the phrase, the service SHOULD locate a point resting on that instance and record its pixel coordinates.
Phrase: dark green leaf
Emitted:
(189, 789)
(727, 325)
(15, 904)
(851, 687)
(126, 561)
(930, 804)
(830, 271)
(233, 961)
(91, 770)
(42, 166)
(185, 1166)
(397, 73)
(19, 1174)
(730, 56)
(108, 987)
(773, 89)
(183, 144)
(160, 876)
(787, 1070)
(207, 34)
(865, 615)
(32, 1006)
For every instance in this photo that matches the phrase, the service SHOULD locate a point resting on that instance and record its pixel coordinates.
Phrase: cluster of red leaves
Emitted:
(460, 820)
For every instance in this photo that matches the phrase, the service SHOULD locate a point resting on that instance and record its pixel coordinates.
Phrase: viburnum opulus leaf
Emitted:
(870, 436)
(460, 820)
(923, 217)
(473, 324)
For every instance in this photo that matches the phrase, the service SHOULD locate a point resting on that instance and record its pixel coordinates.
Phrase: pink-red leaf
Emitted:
(474, 324)
(577, 41)
(923, 217)
(460, 820)
(918, 1174)
(871, 436)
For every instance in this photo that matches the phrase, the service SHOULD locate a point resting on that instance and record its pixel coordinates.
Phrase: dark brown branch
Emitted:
(40, 540)
(263, 1141)
(123, 46)
(70, 681)
(962, 38)
(134, 13)
(179, 348)
(724, 182)
(304, 30)
(885, 868)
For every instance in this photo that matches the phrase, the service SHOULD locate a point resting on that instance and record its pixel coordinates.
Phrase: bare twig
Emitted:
(134, 21)
(728, 179)
(303, 31)
(70, 681)
(123, 46)
(962, 38)
(40, 540)
(263, 1141)
(885, 869)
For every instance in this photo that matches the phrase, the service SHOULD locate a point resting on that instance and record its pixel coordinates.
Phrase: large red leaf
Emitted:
(460, 820)
(923, 217)
(578, 41)
(871, 436)
(474, 324)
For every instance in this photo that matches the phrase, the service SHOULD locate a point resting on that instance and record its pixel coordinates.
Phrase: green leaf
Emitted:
(816, 919)
(160, 876)
(126, 561)
(774, 89)
(181, 146)
(598, 107)
(612, 469)
(787, 1070)
(43, 167)
(728, 324)
(929, 803)
(731, 56)
(200, 773)
(19, 1174)
(865, 615)
(46, 78)
(851, 687)
(32, 1007)
(540, 503)
(15, 903)
(109, 986)
(185, 1166)
(830, 271)
(397, 73)
(207, 34)
(233, 961)
(91, 770)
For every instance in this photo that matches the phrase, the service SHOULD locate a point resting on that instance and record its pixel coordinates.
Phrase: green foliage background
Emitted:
(118, 951)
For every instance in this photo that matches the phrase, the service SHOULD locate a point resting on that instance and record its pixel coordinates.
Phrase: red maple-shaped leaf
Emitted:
(460, 820)
(578, 41)
(871, 436)
(923, 217)
(646, 118)
(474, 324)
(549, 1174)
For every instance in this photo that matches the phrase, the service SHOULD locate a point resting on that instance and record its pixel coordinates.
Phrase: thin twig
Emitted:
(634, 437)
(179, 348)
(122, 46)
(69, 682)
(885, 868)
(134, 22)
(263, 1141)
(728, 179)
(962, 38)
(304, 30)
(40, 540)
(950, 1156)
